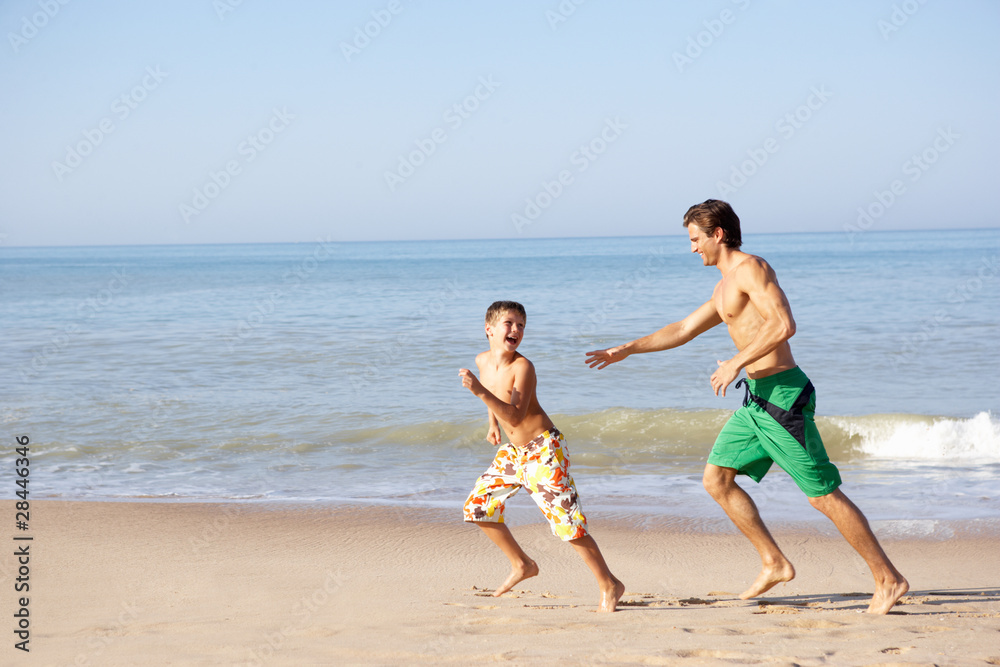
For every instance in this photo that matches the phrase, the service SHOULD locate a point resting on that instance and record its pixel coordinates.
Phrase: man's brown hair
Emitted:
(714, 214)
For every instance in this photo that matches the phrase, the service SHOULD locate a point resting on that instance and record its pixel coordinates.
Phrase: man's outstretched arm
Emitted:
(670, 336)
(757, 279)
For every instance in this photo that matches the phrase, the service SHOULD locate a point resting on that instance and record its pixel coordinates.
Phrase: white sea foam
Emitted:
(924, 438)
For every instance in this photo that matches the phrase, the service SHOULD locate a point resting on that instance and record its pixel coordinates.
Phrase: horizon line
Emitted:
(450, 240)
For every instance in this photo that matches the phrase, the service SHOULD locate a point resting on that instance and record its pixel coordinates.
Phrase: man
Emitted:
(775, 423)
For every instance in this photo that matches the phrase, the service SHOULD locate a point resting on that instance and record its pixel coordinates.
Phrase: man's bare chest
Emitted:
(730, 302)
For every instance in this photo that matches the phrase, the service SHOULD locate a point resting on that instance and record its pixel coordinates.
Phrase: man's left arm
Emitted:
(757, 279)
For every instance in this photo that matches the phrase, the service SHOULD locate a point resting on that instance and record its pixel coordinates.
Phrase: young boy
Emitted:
(535, 457)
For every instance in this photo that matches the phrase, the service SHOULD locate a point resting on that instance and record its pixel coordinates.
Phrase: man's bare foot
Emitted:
(887, 595)
(518, 574)
(611, 596)
(768, 578)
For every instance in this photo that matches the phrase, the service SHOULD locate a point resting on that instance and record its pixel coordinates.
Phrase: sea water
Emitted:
(328, 371)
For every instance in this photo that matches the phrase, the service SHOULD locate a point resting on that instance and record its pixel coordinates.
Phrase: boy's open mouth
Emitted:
(512, 340)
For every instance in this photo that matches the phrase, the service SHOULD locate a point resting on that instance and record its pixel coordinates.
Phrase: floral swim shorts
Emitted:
(542, 467)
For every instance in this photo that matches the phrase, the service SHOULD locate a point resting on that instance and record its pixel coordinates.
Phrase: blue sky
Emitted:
(201, 121)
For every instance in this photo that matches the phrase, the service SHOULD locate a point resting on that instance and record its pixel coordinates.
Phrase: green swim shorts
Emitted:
(776, 425)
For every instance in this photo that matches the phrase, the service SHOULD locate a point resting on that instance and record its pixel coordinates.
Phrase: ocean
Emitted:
(328, 372)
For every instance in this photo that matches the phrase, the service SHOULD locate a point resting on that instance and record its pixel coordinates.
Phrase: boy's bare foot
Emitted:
(518, 573)
(769, 577)
(887, 595)
(611, 596)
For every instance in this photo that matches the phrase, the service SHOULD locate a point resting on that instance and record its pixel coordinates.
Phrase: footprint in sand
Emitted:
(634, 603)
(712, 631)
(777, 609)
(929, 628)
(722, 655)
(813, 624)
(964, 614)
(910, 599)
(644, 600)
(488, 593)
(551, 606)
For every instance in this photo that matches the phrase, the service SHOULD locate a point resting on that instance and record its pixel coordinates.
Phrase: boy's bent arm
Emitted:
(670, 336)
(520, 394)
(493, 432)
(493, 427)
(472, 383)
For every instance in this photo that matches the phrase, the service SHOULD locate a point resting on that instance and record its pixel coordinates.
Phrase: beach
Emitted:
(247, 262)
(246, 455)
(135, 583)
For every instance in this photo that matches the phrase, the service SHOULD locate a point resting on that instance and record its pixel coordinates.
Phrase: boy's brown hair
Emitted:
(498, 308)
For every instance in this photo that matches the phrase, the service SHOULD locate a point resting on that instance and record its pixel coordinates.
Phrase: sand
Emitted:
(275, 584)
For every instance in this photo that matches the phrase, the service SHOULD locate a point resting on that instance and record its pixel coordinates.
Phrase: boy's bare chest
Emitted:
(500, 383)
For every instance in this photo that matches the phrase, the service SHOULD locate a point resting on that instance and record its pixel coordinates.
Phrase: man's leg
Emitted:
(739, 507)
(611, 588)
(890, 585)
(521, 567)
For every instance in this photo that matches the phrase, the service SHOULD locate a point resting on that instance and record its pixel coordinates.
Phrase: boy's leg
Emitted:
(721, 484)
(890, 585)
(521, 567)
(485, 508)
(612, 589)
(547, 478)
